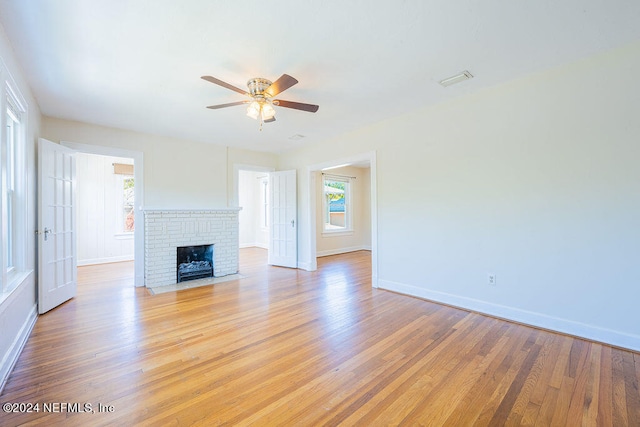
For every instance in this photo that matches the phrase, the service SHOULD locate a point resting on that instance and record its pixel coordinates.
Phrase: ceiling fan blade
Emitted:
(296, 105)
(283, 83)
(224, 84)
(231, 104)
(272, 119)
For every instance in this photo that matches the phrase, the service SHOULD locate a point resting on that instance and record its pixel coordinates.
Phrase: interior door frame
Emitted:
(234, 200)
(234, 197)
(309, 229)
(138, 176)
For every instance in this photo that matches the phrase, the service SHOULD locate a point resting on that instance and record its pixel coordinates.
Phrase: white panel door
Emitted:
(283, 229)
(56, 225)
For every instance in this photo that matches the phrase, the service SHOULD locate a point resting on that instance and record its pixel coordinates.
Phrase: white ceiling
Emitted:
(136, 64)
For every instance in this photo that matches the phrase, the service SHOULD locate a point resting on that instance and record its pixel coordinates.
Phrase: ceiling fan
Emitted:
(261, 97)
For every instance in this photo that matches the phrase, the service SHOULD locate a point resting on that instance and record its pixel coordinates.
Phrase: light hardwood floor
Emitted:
(293, 348)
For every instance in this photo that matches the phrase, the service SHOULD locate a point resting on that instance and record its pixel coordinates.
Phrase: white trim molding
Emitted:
(253, 245)
(11, 356)
(107, 260)
(339, 251)
(538, 320)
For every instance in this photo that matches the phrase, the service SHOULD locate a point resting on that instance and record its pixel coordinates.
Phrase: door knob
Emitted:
(45, 232)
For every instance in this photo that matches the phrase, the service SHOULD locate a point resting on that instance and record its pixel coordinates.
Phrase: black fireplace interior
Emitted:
(194, 262)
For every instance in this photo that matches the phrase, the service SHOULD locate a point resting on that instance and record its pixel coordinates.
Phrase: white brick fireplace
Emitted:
(166, 230)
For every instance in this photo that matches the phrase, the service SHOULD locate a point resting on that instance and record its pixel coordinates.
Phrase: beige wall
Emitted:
(360, 237)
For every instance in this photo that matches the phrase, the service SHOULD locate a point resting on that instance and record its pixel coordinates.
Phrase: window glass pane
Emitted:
(10, 164)
(336, 206)
(129, 212)
(265, 204)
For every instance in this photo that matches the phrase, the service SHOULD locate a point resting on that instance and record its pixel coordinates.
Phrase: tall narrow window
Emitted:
(264, 199)
(13, 199)
(336, 204)
(125, 199)
(128, 199)
(13, 125)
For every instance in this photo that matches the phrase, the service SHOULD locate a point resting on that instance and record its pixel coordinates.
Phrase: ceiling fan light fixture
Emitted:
(253, 110)
(262, 93)
(267, 111)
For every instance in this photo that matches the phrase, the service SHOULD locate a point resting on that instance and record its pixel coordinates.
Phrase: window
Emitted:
(336, 204)
(10, 193)
(128, 211)
(264, 203)
(13, 187)
(124, 187)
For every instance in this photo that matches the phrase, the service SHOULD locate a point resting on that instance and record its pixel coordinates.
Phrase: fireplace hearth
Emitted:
(194, 262)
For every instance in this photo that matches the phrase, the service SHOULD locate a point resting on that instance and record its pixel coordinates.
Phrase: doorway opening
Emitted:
(253, 198)
(106, 218)
(251, 193)
(343, 209)
(132, 187)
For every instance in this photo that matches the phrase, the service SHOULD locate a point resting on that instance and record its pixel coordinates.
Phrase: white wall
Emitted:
(100, 240)
(252, 233)
(360, 237)
(535, 181)
(18, 309)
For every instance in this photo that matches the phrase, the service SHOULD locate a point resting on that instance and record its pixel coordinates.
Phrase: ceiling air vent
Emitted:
(465, 75)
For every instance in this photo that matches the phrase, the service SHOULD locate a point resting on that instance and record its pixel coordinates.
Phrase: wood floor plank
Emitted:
(605, 390)
(631, 387)
(620, 415)
(290, 347)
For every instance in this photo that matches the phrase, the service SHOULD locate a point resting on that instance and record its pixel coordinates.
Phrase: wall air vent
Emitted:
(465, 75)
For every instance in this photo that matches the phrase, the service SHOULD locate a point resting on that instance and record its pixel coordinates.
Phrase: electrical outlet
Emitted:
(491, 279)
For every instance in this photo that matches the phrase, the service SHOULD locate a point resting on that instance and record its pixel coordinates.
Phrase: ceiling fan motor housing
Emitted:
(258, 85)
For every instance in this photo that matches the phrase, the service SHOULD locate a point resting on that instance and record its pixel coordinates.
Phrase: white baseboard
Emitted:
(593, 333)
(308, 266)
(11, 357)
(253, 245)
(342, 250)
(105, 260)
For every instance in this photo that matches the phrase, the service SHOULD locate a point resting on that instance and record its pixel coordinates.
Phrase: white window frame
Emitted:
(348, 206)
(13, 200)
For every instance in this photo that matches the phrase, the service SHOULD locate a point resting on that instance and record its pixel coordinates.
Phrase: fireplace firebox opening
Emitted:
(194, 262)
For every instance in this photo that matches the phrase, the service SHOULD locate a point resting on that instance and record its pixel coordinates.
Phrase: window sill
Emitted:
(124, 236)
(15, 280)
(337, 233)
